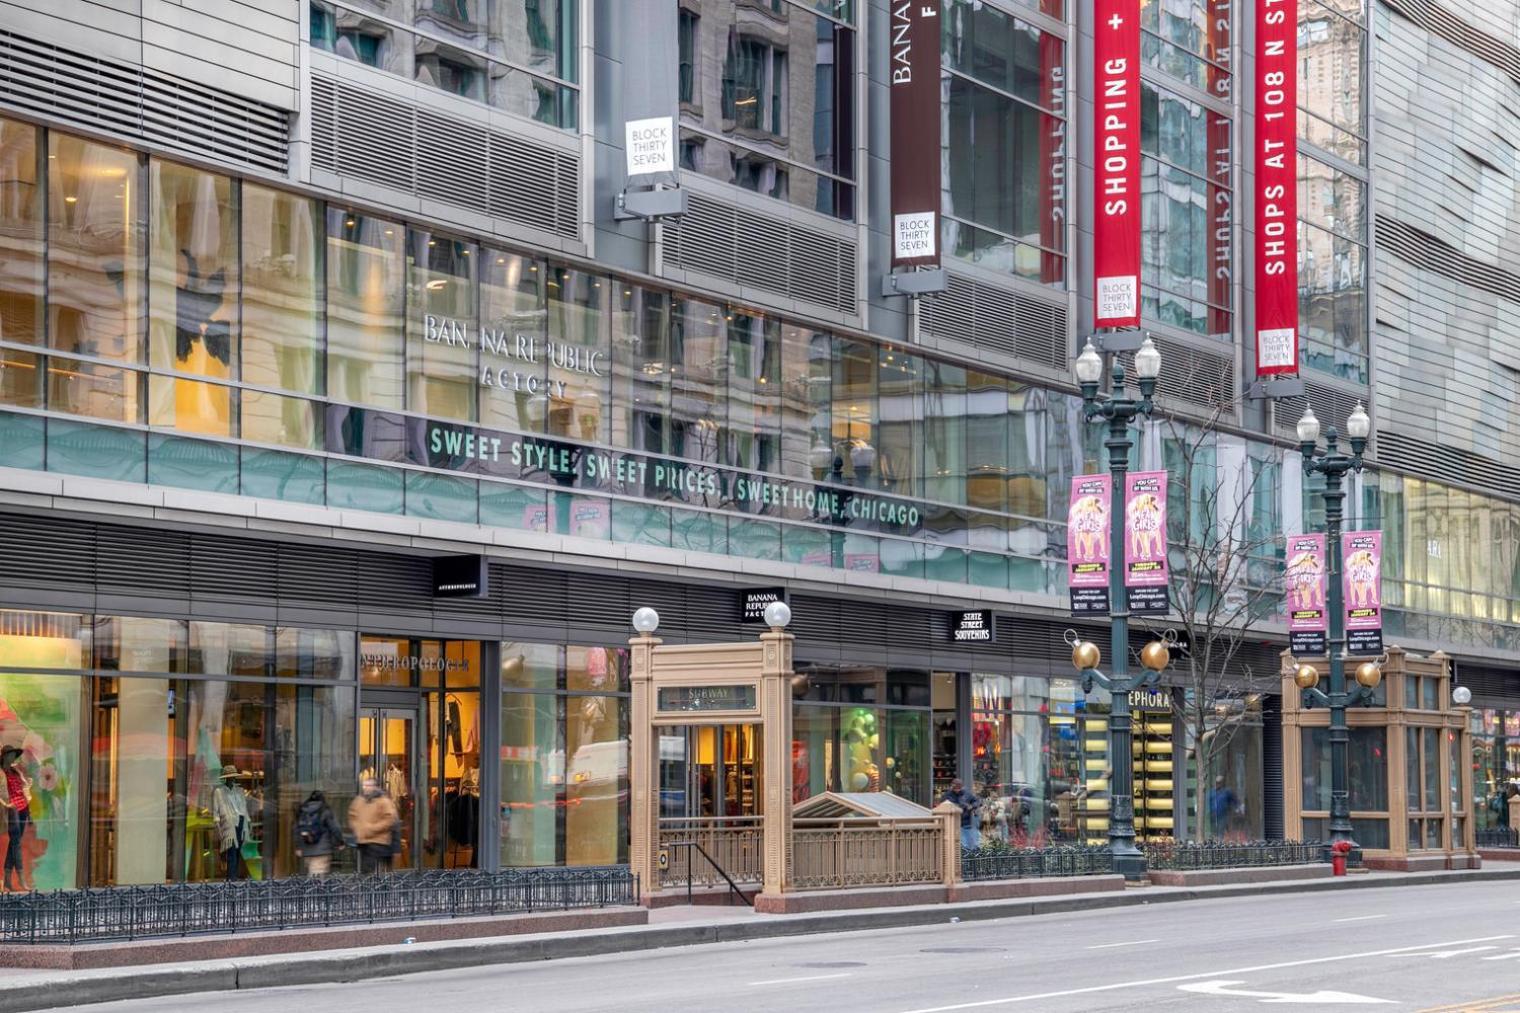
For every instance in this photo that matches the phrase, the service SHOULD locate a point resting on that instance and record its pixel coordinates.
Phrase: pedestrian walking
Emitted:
(16, 798)
(318, 835)
(373, 820)
(971, 837)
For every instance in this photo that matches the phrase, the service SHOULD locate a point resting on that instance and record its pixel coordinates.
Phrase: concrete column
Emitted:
(644, 819)
(776, 742)
(949, 816)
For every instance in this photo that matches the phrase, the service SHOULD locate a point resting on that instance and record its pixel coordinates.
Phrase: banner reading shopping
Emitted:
(1088, 553)
(1116, 158)
(1362, 584)
(1145, 571)
(1276, 176)
(1305, 584)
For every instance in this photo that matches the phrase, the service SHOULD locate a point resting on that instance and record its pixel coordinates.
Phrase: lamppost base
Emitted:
(1131, 865)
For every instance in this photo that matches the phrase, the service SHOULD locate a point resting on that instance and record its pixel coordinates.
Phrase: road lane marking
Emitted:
(1127, 942)
(809, 977)
(1322, 997)
(984, 1003)
(1448, 954)
(1511, 955)
(1359, 918)
(1475, 1005)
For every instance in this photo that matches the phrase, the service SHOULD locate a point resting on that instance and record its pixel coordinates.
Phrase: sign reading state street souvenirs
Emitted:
(1362, 585)
(914, 85)
(1087, 548)
(1116, 154)
(1145, 571)
(973, 627)
(1275, 168)
(1305, 584)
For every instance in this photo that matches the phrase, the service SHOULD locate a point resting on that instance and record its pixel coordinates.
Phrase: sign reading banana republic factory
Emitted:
(914, 96)
(515, 362)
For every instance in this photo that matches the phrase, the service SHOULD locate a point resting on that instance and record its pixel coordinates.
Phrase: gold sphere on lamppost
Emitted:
(1155, 655)
(1368, 674)
(1306, 676)
(1085, 655)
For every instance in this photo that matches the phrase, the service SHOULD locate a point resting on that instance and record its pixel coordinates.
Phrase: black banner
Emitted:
(1308, 644)
(914, 97)
(1364, 642)
(1149, 601)
(1089, 601)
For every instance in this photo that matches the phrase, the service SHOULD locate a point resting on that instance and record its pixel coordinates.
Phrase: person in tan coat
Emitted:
(373, 820)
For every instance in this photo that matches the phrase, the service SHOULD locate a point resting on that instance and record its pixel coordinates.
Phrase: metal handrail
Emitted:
(710, 861)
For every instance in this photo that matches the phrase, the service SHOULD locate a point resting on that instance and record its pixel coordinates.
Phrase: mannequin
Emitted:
(229, 810)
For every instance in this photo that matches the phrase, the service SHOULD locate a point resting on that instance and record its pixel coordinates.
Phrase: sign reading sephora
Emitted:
(975, 627)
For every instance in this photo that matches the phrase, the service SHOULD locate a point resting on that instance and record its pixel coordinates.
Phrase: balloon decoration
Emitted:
(860, 741)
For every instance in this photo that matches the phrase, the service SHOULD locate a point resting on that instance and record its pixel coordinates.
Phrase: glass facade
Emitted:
(515, 55)
(767, 98)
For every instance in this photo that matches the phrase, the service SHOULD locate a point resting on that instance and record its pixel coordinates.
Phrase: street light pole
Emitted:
(1119, 411)
(1335, 465)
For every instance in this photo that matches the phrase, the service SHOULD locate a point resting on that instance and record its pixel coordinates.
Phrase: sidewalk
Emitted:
(678, 926)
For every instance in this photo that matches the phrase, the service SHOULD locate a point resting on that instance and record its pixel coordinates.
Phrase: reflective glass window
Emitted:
(576, 356)
(366, 300)
(282, 291)
(513, 320)
(21, 249)
(442, 326)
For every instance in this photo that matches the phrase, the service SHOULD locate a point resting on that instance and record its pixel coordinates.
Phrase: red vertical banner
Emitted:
(914, 35)
(1116, 151)
(1275, 162)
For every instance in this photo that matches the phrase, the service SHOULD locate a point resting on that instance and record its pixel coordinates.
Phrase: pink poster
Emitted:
(1362, 582)
(1145, 573)
(1305, 587)
(1087, 550)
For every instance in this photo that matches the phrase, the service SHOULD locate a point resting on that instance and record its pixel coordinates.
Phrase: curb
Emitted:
(349, 965)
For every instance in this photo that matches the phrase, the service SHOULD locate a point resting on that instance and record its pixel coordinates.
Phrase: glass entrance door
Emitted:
(711, 770)
(388, 753)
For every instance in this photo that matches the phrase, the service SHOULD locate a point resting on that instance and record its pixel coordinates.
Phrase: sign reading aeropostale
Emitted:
(915, 44)
(1116, 150)
(1276, 168)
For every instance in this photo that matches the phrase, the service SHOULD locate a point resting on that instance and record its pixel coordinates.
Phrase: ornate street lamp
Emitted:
(1119, 411)
(1334, 465)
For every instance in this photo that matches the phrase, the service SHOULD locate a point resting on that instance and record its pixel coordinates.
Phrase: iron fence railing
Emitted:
(996, 862)
(187, 909)
(1194, 855)
(1499, 837)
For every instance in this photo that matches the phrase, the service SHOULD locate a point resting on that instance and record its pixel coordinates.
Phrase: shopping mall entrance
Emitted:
(419, 736)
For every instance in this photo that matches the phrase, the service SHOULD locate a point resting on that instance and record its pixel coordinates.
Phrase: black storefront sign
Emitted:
(461, 577)
(1364, 641)
(755, 601)
(1307, 643)
(977, 626)
(572, 466)
(689, 699)
(1089, 601)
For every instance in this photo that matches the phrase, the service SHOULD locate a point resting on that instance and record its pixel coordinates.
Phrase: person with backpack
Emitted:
(317, 834)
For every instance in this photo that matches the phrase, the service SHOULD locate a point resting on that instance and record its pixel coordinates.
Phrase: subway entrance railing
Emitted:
(106, 914)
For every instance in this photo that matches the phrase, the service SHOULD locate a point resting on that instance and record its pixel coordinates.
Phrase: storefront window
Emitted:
(442, 326)
(21, 250)
(513, 313)
(564, 755)
(844, 739)
(576, 357)
(366, 297)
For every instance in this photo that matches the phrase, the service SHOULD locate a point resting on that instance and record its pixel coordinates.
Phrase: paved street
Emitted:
(1419, 948)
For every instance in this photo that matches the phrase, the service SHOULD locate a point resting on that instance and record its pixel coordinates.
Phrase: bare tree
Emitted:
(1224, 511)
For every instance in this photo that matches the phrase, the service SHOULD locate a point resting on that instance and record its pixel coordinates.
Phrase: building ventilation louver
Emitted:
(1445, 25)
(1460, 467)
(507, 177)
(1437, 256)
(999, 320)
(1191, 376)
(1331, 405)
(139, 103)
(764, 253)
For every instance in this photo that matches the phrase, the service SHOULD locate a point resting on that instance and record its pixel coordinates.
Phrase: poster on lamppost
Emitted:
(1305, 584)
(1116, 163)
(1088, 554)
(1362, 584)
(1145, 570)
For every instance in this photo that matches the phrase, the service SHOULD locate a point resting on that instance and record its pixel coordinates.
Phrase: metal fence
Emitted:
(1190, 855)
(187, 909)
(1026, 863)
(1499, 837)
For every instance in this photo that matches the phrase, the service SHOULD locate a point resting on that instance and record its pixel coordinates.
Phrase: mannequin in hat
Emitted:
(229, 810)
(16, 799)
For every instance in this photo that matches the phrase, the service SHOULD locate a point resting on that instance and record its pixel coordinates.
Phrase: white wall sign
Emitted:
(651, 146)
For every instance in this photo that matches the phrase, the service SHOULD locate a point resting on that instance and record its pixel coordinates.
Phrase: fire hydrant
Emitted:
(1338, 852)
